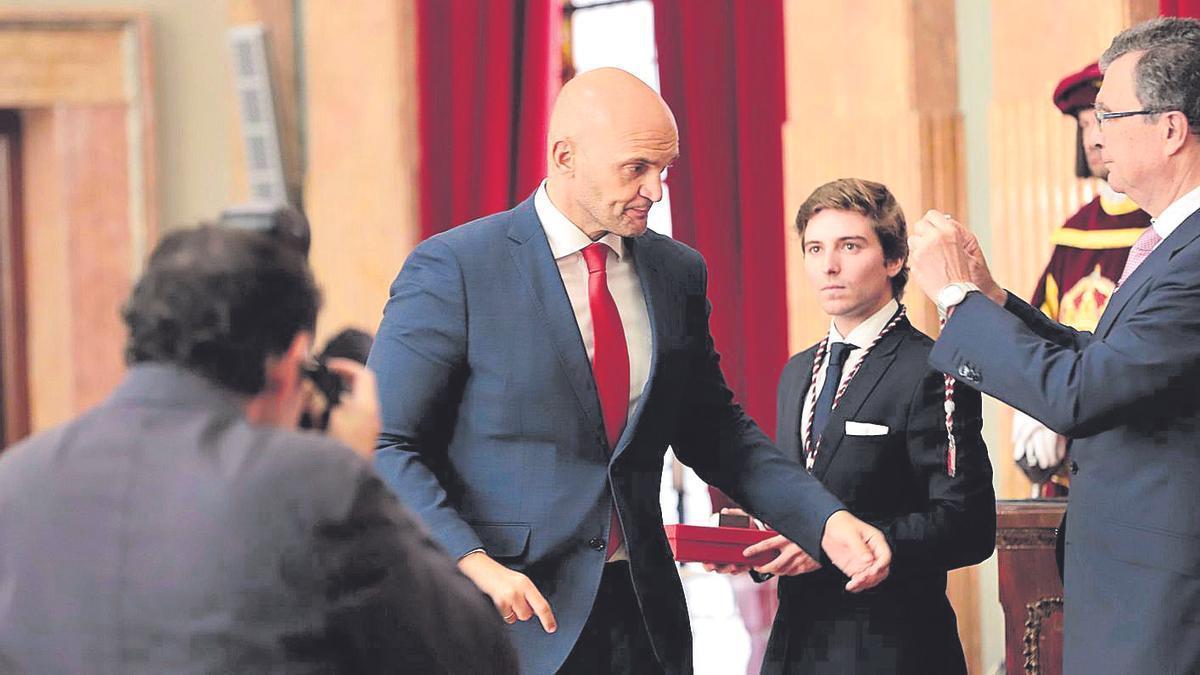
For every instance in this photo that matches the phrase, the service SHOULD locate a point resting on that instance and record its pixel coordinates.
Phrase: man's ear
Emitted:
(283, 371)
(1175, 131)
(893, 267)
(562, 157)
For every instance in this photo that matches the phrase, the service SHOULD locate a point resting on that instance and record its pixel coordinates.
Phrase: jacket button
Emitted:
(596, 543)
(1074, 467)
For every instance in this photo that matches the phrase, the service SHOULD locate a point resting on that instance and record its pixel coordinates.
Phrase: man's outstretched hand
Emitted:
(857, 549)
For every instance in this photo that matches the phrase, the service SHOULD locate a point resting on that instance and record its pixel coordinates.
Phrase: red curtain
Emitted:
(1188, 8)
(721, 70)
(487, 74)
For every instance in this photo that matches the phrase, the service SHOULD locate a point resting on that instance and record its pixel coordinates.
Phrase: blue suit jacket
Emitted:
(1129, 396)
(492, 428)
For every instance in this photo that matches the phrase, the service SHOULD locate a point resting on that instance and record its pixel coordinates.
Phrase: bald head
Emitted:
(611, 136)
(607, 100)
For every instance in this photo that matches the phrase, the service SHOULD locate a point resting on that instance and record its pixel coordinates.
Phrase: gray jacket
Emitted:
(162, 532)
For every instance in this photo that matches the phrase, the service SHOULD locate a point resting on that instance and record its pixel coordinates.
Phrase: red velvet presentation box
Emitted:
(717, 545)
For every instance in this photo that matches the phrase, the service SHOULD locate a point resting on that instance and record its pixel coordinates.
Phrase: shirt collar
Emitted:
(866, 332)
(1176, 213)
(565, 238)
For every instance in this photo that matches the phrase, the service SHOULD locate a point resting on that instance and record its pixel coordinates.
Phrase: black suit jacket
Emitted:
(163, 533)
(898, 481)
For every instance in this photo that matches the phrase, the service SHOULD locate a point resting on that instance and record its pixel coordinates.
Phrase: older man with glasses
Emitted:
(1128, 393)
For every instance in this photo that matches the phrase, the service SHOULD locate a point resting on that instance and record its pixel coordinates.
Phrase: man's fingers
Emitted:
(873, 574)
(541, 608)
(866, 579)
(771, 544)
(520, 607)
(880, 550)
(347, 369)
(776, 566)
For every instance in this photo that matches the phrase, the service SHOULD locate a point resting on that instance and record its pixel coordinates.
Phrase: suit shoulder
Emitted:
(798, 365)
(297, 465)
(473, 233)
(917, 341)
(674, 249)
(42, 448)
(802, 358)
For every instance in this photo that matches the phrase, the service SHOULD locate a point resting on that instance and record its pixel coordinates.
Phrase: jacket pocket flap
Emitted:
(1155, 548)
(503, 540)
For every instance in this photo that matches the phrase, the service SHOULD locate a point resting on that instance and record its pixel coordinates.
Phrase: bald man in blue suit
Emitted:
(499, 427)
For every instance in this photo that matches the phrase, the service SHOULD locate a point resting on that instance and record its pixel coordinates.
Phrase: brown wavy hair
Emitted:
(875, 203)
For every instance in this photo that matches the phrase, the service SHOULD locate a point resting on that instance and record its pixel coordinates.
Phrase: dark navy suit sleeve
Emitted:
(397, 602)
(1038, 322)
(727, 449)
(958, 525)
(1097, 385)
(419, 360)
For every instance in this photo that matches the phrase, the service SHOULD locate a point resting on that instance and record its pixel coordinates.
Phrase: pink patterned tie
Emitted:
(1141, 250)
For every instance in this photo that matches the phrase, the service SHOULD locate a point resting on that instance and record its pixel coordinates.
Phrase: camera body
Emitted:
(330, 386)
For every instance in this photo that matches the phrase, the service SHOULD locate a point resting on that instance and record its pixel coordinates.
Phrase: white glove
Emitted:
(1036, 445)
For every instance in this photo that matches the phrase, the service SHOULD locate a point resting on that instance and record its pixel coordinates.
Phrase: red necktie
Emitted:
(610, 360)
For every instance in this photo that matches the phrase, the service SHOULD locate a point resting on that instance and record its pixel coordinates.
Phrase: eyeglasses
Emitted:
(1101, 115)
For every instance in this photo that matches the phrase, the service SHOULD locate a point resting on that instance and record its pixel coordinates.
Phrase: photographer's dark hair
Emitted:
(218, 302)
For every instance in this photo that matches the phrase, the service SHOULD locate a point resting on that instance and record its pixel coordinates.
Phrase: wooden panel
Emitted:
(78, 256)
(1030, 588)
(47, 250)
(14, 379)
(44, 66)
(1032, 146)
(89, 208)
(94, 165)
(360, 192)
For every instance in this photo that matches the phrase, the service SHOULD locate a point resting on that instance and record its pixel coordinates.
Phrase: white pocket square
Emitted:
(865, 429)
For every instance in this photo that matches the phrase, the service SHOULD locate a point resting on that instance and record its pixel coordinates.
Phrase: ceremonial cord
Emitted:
(811, 448)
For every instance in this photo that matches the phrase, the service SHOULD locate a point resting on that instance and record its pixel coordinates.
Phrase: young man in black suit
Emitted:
(868, 417)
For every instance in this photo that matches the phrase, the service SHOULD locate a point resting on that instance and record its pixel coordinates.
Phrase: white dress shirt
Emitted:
(566, 245)
(1176, 213)
(862, 336)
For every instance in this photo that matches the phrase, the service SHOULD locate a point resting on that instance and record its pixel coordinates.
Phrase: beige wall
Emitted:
(192, 101)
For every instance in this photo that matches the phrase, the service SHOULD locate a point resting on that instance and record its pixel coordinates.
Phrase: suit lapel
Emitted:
(531, 254)
(1183, 235)
(655, 289)
(791, 415)
(874, 367)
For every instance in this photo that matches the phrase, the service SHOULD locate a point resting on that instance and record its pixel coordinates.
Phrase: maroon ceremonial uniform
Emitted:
(1089, 254)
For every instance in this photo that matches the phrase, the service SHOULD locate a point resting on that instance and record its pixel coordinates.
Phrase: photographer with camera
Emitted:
(185, 525)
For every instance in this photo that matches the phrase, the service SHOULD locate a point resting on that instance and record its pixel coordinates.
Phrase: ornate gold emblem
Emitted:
(1082, 305)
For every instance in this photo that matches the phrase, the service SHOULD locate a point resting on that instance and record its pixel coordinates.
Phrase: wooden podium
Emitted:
(1030, 589)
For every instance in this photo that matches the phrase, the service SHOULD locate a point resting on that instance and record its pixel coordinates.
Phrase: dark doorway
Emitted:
(14, 385)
